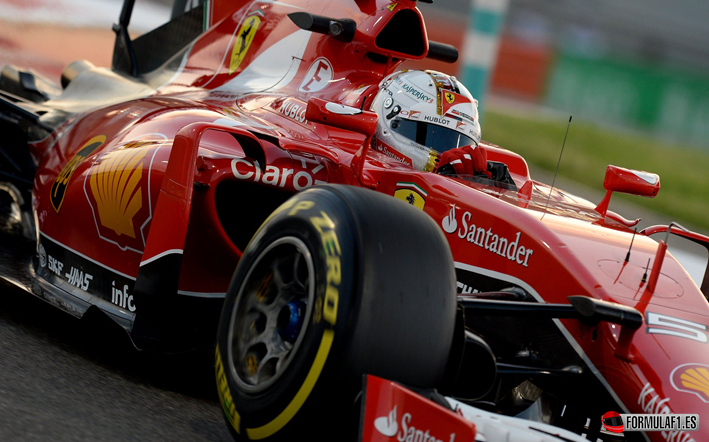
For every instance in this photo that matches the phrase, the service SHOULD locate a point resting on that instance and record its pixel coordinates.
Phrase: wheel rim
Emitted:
(271, 314)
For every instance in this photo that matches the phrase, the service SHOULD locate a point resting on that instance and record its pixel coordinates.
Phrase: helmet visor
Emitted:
(430, 135)
(615, 421)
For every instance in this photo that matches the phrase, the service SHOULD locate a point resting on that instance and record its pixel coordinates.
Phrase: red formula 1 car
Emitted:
(135, 191)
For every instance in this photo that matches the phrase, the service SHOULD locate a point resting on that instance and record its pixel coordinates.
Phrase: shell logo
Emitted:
(692, 378)
(62, 181)
(116, 187)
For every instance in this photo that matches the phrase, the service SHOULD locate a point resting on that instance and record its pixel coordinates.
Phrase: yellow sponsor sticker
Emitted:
(450, 98)
(411, 193)
(243, 42)
(392, 6)
(412, 197)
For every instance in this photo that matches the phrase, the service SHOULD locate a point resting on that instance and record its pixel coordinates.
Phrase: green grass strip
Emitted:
(684, 192)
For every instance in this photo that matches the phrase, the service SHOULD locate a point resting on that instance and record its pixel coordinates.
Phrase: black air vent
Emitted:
(403, 34)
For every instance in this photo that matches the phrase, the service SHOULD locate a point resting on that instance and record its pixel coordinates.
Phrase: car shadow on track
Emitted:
(107, 344)
(70, 379)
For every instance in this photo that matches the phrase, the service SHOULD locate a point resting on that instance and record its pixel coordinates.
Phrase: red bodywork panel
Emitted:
(124, 184)
(392, 411)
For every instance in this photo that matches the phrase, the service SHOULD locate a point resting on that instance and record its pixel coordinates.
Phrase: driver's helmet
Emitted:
(421, 115)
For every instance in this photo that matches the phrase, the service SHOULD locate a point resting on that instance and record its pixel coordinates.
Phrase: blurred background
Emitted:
(634, 63)
(632, 74)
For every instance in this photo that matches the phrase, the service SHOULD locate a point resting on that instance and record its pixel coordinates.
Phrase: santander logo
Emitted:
(509, 247)
(449, 223)
(387, 424)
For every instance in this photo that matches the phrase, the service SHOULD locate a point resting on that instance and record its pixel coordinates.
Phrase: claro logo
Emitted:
(407, 432)
(279, 177)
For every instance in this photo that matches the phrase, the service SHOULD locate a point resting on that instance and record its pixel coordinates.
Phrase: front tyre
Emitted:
(339, 281)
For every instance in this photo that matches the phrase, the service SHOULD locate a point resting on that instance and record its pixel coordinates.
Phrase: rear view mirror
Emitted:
(344, 117)
(634, 182)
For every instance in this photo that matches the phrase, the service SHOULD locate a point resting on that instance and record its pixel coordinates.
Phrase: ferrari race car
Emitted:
(224, 176)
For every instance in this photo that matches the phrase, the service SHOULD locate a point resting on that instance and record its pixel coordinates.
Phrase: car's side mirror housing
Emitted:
(339, 115)
(634, 182)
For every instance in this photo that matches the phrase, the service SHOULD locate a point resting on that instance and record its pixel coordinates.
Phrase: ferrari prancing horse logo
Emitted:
(243, 42)
(411, 193)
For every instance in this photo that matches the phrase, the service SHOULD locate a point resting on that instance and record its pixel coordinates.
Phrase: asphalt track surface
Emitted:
(62, 379)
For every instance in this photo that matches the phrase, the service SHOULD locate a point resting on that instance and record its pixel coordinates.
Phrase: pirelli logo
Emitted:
(225, 394)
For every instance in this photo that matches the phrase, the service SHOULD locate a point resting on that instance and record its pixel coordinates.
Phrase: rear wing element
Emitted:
(151, 50)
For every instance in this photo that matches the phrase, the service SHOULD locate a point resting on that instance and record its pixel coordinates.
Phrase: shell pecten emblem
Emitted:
(692, 378)
(115, 185)
(62, 181)
(243, 41)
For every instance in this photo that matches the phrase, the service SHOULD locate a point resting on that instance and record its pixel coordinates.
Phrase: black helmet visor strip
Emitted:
(430, 135)
(615, 421)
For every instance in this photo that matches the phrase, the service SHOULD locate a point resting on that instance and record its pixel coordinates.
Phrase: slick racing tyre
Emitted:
(339, 281)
